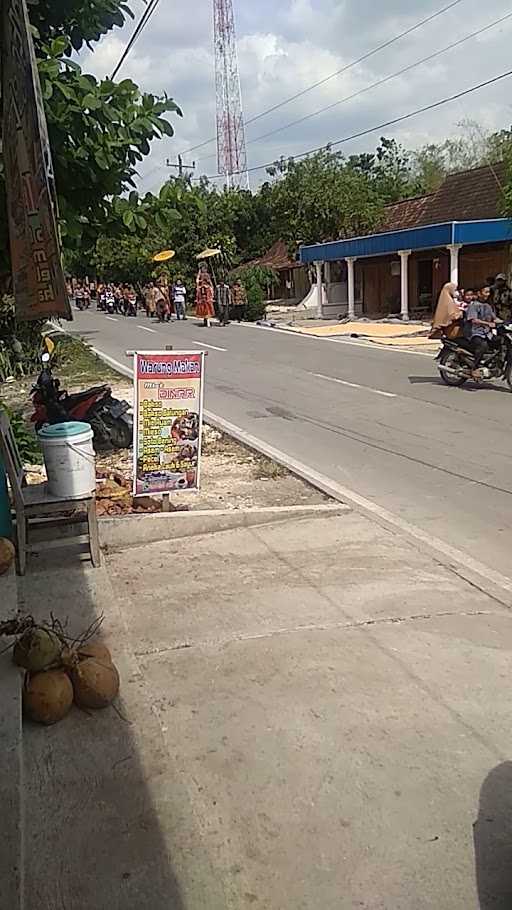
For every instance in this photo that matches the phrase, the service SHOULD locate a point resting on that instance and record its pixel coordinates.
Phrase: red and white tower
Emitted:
(231, 151)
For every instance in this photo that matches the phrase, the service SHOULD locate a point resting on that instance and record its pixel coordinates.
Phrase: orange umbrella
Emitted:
(163, 256)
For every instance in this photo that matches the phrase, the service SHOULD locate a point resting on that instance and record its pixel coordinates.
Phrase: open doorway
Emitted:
(425, 284)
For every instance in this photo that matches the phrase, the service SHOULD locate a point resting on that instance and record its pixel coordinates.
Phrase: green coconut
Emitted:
(37, 649)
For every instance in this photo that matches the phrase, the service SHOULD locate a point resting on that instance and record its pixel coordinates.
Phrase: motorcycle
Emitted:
(456, 360)
(130, 307)
(108, 417)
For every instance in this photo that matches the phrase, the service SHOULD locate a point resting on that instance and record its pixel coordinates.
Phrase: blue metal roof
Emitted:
(495, 230)
(421, 238)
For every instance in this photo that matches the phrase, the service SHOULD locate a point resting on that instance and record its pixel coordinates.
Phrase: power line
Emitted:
(339, 72)
(380, 82)
(368, 88)
(381, 126)
(144, 19)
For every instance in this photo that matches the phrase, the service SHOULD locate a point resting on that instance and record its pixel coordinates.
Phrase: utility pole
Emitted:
(180, 167)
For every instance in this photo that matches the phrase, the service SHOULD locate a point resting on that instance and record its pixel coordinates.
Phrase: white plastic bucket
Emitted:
(69, 459)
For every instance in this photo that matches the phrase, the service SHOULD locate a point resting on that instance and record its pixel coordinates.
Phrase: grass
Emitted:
(268, 470)
(76, 364)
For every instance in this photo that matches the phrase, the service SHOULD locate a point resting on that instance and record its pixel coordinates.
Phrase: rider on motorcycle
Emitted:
(479, 321)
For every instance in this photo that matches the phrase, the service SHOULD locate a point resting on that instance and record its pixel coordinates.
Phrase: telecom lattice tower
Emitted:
(231, 151)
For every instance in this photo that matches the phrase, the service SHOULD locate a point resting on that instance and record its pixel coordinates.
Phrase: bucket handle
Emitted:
(81, 452)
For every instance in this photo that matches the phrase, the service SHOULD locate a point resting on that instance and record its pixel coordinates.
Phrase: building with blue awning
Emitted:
(454, 234)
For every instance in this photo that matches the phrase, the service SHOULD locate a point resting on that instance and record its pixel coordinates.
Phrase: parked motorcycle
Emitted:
(456, 361)
(108, 417)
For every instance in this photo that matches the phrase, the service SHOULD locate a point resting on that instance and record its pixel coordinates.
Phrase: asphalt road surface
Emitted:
(380, 422)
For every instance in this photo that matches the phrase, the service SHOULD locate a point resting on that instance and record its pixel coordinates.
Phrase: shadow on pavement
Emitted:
(492, 834)
(95, 786)
(467, 387)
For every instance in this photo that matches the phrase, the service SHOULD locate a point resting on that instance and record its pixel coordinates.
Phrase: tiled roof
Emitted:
(473, 195)
(277, 257)
(405, 214)
(469, 196)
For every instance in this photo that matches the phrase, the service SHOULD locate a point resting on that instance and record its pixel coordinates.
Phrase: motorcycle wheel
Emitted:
(508, 375)
(451, 359)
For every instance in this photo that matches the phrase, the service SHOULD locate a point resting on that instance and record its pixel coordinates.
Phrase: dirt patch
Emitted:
(232, 477)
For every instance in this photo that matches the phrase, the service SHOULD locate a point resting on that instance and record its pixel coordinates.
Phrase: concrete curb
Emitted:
(488, 580)
(138, 529)
(483, 577)
(11, 763)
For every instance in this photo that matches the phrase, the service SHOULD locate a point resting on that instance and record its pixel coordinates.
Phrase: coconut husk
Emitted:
(37, 649)
(97, 650)
(47, 696)
(95, 683)
(7, 553)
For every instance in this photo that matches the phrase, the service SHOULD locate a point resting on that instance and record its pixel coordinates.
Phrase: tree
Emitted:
(82, 23)
(99, 131)
(321, 198)
(475, 148)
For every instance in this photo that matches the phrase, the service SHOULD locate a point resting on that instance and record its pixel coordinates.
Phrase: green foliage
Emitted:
(473, 148)
(26, 439)
(99, 130)
(322, 198)
(81, 23)
(20, 344)
(256, 281)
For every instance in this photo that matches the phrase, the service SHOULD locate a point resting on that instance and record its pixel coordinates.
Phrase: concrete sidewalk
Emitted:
(315, 717)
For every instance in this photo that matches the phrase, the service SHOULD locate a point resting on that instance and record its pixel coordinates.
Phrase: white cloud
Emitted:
(285, 47)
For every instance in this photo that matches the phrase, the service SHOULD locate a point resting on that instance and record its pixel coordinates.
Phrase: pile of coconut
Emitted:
(59, 669)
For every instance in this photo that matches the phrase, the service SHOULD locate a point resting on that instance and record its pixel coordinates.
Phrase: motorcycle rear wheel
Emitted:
(508, 375)
(451, 359)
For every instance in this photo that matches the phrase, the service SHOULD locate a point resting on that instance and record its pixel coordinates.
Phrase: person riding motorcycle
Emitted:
(479, 321)
(501, 298)
(448, 313)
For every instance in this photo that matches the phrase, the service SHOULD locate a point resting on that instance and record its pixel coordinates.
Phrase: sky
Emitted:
(284, 46)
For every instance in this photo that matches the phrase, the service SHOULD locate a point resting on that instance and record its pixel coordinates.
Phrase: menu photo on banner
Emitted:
(168, 420)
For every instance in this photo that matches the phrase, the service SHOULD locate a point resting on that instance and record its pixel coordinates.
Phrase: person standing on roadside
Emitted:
(179, 296)
(223, 302)
(238, 300)
(162, 304)
(204, 295)
(149, 299)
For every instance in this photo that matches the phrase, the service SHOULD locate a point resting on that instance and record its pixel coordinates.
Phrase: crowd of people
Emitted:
(163, 301)
(472, 314)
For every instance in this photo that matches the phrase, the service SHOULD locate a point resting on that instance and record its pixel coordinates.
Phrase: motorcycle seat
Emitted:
(458, 343)
(76, 397)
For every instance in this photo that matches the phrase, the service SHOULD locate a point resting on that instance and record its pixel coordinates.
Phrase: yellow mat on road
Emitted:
(419, 342)
(366, 329)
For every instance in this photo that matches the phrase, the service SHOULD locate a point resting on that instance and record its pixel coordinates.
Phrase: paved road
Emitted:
(377, 421)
